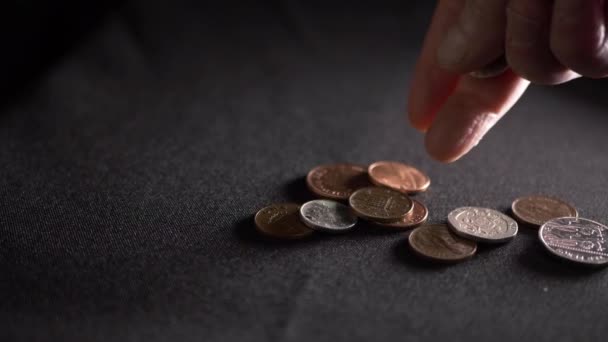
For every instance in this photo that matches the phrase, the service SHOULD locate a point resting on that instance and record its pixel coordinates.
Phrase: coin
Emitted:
(380, 204)
(496, 68)
(281, 221)
(576, 239)
(436, 242)
(337, 181)
(328, 216)
(398, 176)
(482, 224)
(416, 217)
(536, 210)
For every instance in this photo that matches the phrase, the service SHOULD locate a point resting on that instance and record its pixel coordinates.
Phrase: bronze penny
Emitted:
(337, 181)
(536, 210)
(380, 204)
(281, 221)
(415, 218)
(436, 242)
(398, 176)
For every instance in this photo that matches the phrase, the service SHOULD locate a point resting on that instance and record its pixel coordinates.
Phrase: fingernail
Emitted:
(452, 50)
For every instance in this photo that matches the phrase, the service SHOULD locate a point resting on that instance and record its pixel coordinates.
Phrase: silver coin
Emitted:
(576, 239)
(496, 68)
(326, 215)
(482, 224)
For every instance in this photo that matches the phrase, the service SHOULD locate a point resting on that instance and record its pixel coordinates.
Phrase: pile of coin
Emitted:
(378, 193)
(381, 194)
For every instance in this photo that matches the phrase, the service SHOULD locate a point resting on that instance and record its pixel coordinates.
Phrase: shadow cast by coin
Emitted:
(404, 255)
(245, 231)
(365, 228)
(537, 259)
(484, 248)
(296, 191)
(528, 230)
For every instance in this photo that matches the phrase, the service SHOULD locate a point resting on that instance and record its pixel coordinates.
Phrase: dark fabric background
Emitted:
(134, 158)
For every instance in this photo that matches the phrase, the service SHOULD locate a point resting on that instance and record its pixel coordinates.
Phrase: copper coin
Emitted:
(415, 218)
(536, 210)
(436, 242)
(281, 221)
(380, 204)
(398, 176)
(337, 181)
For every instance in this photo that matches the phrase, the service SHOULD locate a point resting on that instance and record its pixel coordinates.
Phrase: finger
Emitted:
(474, 107)
(527, 45)
(578, 36)
(477, 37)
(431, 85)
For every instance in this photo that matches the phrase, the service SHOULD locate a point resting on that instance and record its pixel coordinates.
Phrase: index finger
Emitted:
(431, 85)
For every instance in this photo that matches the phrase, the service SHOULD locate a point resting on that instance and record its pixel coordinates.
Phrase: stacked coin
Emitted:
(535, 210)
(482, 224)
(562, 232)
(435, 242)
(378, 193)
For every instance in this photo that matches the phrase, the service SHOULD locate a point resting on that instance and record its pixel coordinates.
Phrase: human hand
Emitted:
(544, 41)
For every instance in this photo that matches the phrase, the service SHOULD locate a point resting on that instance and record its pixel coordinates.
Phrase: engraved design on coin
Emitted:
(281, 221)
(327, 215)
(380, 204)
(438, 243)
(482, 224)
(536, 210)
(576, 239)
(337, 181)
(416, 217)
(398, 176)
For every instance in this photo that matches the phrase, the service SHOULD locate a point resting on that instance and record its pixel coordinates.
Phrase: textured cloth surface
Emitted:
(132, 167)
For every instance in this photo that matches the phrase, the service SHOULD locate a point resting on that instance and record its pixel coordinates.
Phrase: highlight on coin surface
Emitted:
(337, 181)
(398, 176)
(436, 242)
(416, 217)
(327, 216)
(380, 204)
(538, 209)
(576, 239)
(482, 224)
(281, 221)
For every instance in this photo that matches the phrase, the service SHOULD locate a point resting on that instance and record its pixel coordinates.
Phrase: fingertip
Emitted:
(438, 152)
(473, 109)
(419, 122)
(454, 136)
